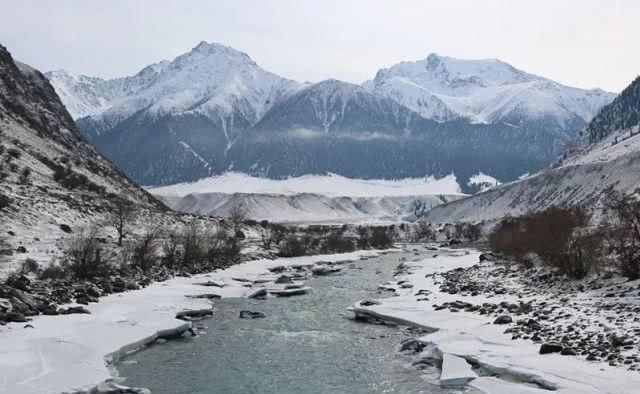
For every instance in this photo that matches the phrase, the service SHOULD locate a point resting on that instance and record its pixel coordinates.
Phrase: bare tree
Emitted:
(623, 232)
(237, 215)
(123, 214)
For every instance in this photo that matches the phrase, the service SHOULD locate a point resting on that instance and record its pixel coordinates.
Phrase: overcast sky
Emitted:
(577, 42)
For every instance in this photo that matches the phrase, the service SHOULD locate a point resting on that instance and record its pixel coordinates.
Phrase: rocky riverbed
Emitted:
(597, 318)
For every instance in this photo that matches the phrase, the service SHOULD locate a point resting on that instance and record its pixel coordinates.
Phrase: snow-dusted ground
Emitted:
(328, 185)
(308, 207)
(514, 366)
(71, 353)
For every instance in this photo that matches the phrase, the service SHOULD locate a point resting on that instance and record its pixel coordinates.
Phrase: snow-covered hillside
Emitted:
(311, 198)
(309, 207)
(329, 185)
(487, 90)
(606, 155)
(51, 181)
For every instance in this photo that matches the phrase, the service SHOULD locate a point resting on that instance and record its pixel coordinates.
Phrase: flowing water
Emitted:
(306, 344)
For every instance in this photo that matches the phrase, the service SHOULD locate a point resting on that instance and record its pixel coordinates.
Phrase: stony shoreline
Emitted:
(516, 329)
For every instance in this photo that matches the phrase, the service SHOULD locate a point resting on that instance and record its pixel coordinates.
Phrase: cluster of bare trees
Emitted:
(566, 239)
(194, 247)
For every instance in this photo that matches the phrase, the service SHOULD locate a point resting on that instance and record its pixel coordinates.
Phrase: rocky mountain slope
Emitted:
(606, 155)
(50, 177)
(214, 109)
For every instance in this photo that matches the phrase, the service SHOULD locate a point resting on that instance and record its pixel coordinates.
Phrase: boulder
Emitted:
(503, 319)
(259, 292)
(284, 279)
(207, 296)
(325, 270)
(5, 305)
(289, 292)
(212, 283)
(195, 314)
(73, 310)
(550, 347)
(369, 303)
(252, 315)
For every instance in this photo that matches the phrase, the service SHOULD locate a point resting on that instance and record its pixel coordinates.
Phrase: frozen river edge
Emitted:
(73, 354)
(506, 365)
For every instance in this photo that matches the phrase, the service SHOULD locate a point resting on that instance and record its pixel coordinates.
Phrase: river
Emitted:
(306, 344)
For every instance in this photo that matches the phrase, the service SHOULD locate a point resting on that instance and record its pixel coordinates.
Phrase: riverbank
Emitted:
(53, 354)
(503, 364)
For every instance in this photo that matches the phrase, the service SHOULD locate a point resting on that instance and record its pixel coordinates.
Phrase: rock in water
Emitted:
(252, 315)
(194, 314)
(284, 279)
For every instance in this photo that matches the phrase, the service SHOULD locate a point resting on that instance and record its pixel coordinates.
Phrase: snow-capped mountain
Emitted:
(336, 127)
(333, 106)
(176, 120)
(606, 155)
(486, 91)
(212, 79)
(214, 109)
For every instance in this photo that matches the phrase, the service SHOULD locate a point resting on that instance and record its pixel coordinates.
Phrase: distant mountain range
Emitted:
(214, 109)
(605, 155)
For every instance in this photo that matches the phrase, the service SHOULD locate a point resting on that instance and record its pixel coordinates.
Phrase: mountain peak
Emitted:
(208, 49)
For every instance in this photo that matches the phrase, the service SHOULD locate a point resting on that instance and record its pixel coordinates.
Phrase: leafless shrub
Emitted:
(423, 231)
(550, 234)
(292, 246)
(145, 249)
(468, 231)
(86, 256)
(583, 254)
(237, 216)
(24, 176)
(337, 242)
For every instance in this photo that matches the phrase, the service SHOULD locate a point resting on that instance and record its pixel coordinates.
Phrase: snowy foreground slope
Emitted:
(311, 198)
(505, 366)
(72, 353)
(49, 175)
(606, 155)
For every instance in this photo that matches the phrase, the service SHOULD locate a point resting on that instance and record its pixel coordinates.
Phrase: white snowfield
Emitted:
(329, 185)
(311, 198)
(63, 354)
(518, 365)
